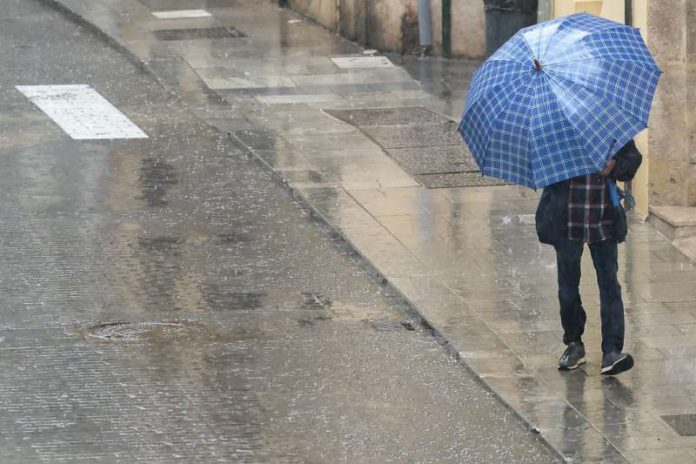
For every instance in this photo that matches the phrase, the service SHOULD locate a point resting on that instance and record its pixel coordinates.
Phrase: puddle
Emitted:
(156, 178)
(220, 298)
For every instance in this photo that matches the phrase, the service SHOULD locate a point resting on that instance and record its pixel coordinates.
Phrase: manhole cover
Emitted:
(201, 33)
(683, 424)
(136, 331)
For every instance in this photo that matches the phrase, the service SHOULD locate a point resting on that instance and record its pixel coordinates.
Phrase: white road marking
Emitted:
(82, 112)
(181, 14)
(352, 62)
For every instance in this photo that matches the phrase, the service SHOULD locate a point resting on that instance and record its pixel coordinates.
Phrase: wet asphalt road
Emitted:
(280, 347)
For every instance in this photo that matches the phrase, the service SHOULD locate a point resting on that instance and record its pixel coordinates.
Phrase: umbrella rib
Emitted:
(496, 125)
(576, 134)
(567, 81)
(590, 34)
(570, 123)
(603, 60)
(485, 90)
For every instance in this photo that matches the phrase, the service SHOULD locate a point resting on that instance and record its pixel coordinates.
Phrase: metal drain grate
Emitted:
(683, 424)
(458, 179)
(392, 326)
(200, 33)
(315, 301)
(234, 237)
(160, 244)
(426, 144)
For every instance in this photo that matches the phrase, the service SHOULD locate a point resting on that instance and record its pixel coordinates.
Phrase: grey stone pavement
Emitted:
(369, 147)
(166, 300)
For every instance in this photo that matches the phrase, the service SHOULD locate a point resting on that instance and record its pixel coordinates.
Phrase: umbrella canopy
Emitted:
(559, 99)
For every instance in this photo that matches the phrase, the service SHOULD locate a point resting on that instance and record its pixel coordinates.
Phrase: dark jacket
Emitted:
(552, 212)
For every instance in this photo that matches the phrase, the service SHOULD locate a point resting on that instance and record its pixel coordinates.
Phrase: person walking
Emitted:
(581, 211)
(556, 107)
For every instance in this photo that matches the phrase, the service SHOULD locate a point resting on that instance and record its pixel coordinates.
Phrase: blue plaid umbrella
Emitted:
(559, 99)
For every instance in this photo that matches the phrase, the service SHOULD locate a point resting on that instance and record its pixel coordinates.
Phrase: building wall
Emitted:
(468, 28)
(690, 62)
(322, 11)
(611, 9)
(641, 183)
(669, 164)
(392, 25)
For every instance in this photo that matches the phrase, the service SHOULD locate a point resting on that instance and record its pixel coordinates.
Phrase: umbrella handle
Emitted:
(616, 195)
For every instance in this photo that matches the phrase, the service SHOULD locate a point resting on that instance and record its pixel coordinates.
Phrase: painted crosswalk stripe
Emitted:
(181, 14)
(82, 112)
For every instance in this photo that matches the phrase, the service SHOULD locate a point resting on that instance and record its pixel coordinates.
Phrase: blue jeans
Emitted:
(605, 259)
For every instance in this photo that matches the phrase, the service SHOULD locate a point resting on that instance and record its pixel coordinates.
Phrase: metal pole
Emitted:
(629, 12)
(424, 24)
(447, 28)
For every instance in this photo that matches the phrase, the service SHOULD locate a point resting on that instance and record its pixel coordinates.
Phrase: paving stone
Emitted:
(387, 116)
(407, 136)
(459, 179)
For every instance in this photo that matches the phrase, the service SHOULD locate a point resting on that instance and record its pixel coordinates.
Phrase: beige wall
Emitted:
(611, 9)
(322, 11)
(391, 25)
(468, 28)
(690, 53)
(667, 140)
(641, 183)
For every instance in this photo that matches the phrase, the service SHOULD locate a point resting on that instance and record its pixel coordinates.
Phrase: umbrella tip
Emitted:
(537, 64)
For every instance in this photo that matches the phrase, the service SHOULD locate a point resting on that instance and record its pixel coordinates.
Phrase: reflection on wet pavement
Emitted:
(165, 300)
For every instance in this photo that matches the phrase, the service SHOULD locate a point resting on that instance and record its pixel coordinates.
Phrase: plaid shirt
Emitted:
(589, 209)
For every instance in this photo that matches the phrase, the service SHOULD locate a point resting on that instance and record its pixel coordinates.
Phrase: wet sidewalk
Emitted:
(368, 142)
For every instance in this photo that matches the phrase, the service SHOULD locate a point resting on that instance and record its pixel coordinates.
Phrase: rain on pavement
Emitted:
(166, 300)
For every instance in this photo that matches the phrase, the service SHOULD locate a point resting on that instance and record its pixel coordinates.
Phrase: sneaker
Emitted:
(572, 357)
(615, 363)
